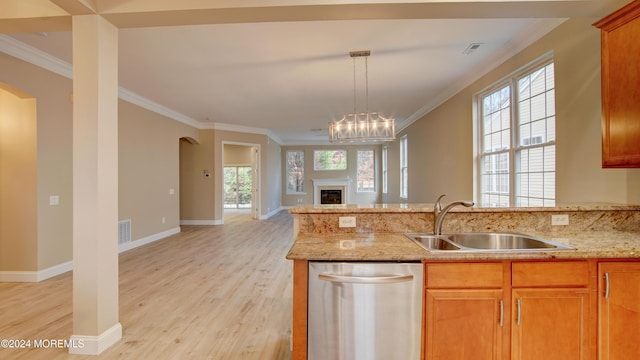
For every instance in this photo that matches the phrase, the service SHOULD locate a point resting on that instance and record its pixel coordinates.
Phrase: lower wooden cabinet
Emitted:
(550, 324)
(512, 309)
(464, 324)
(619, 310)
(465, 311)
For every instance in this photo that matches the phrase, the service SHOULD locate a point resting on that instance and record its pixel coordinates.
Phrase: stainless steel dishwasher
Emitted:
(364, 311)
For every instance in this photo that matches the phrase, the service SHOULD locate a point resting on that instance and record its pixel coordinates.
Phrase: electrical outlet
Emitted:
(347, 221)
(559, 220)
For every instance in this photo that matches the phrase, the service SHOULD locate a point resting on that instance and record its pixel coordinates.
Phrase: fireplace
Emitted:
(330, 196)
(330, 191)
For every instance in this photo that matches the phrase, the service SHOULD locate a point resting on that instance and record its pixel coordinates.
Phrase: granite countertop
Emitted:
(397, 247)
(596, 230)
(417, 207)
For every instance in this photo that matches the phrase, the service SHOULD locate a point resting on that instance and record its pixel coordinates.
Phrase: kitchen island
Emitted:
(603, 235)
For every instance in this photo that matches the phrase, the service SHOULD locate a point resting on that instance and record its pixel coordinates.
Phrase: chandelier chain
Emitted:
(366, 75)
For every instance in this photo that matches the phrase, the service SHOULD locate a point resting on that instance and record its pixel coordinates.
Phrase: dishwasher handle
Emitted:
(384, 279)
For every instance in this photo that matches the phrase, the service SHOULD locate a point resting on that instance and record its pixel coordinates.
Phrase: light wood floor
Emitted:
(210, 292)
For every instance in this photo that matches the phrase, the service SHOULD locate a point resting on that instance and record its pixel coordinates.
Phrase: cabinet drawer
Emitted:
(464, 275)
(561, 273)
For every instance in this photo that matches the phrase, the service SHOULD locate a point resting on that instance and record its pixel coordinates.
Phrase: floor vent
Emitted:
(124, 231)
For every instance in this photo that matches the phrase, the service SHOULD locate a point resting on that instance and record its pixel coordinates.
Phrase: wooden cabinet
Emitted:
(465, 311)
(620, 37)
(550, 324)
(619, 310)
(551, 310)
(518, 310)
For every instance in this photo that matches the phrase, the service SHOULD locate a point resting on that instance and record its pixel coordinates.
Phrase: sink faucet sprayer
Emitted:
(439, 212)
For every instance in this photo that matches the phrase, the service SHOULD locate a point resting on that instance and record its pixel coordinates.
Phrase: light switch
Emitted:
(54, 200)
(172, 191)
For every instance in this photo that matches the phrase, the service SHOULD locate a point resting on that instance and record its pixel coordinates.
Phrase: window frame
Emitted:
(515, 148)
(287, 190)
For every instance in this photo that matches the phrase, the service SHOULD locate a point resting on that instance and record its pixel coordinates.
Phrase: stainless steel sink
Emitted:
(503, 242)
(433, 242)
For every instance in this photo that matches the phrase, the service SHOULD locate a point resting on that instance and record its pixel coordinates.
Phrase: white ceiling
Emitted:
(291, 77)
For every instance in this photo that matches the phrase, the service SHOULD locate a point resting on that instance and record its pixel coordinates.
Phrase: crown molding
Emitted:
(37, 57)
(145, 103)
(46, 61)
(241, 129)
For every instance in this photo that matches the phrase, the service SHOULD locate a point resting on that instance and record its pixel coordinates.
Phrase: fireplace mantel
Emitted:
(331, 184)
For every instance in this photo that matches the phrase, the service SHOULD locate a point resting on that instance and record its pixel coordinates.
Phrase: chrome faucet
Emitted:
(439, 212)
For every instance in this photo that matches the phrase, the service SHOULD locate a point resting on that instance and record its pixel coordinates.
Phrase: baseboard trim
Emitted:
(147, 240)
(36, 276)
(41, 275)
(201, 222)
(94, 345)
(272, 213)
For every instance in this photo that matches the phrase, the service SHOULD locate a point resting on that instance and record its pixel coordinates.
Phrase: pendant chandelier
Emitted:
(364, 126)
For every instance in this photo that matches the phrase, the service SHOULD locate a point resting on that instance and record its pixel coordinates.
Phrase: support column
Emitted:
(95, 185)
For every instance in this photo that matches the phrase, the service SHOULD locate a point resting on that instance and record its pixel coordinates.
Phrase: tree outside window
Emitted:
(366, 171)
(329, 160)
(295, 172)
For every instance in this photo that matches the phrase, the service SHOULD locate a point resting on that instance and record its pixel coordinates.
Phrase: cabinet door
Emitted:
(550, 324)
(464, 324)
(620, 87)
(619, 311)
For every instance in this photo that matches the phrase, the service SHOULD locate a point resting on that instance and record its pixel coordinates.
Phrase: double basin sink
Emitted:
(472, 242)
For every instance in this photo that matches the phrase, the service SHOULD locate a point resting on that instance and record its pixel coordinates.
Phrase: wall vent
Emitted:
(124, 231)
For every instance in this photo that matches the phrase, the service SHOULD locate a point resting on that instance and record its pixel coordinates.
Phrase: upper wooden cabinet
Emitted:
(620, 34)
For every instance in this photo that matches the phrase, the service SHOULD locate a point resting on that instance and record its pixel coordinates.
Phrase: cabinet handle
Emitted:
(606, 285)
(519, 306)
(501, 313)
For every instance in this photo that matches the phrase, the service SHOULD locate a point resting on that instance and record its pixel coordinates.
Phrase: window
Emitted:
(366, 173)
(330, 160)
(385, 150)
(404, 169)
(518, 143)
(295, 172)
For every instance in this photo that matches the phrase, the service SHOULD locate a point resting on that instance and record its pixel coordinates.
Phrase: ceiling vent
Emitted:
(471, 48)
